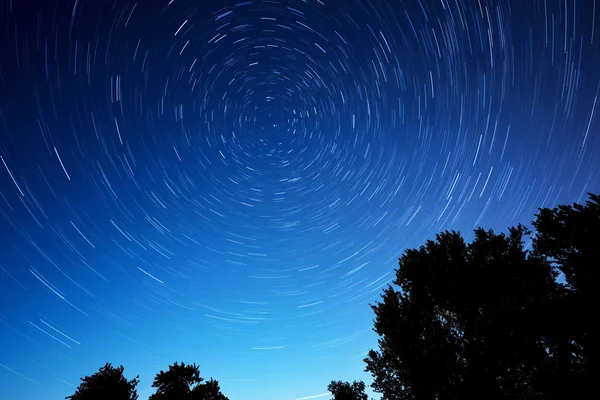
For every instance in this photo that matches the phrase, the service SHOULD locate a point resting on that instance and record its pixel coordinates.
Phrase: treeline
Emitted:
(179, 382)
(507, 316)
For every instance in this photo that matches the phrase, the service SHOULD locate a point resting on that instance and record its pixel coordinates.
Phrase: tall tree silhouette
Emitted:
(489, 319)
(107, 383)
(348, 391)
(569, 237)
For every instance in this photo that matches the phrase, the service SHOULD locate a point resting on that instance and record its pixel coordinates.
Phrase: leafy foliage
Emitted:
(183, 382)
(208, 390)
(347, 391)
(489, 318)
(177, 382)
(107, 383)
(569, 236)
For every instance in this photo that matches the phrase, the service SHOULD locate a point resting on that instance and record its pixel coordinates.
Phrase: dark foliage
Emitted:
(347, 391)
(569, 237)
(208, 390)
(107, 383)
(183, 382)
(177, 382)
(489, 319)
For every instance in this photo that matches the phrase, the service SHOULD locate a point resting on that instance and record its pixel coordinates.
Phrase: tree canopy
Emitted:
(492, 318)
(179, 382)
(107, 383)
(208, 390)
(348, 391)
(183, 382)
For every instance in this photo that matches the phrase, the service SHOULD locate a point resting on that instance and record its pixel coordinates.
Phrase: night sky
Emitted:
(232, 183)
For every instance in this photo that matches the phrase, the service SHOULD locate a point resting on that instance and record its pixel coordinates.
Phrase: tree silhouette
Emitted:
(183, 382)
(348, 391)
(208, 390)
(177, 382)
(489, 319)
(107, 383)
(569, 236)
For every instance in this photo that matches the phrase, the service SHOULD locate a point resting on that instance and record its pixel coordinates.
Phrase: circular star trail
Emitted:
(231, 183)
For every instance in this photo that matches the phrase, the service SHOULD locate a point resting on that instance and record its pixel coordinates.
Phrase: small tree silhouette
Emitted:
(208, 390)
(348, 391)
(107, 383)
(177, 382)
(183, 382)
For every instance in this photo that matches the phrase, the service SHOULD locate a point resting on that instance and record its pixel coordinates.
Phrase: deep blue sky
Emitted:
(232, 183)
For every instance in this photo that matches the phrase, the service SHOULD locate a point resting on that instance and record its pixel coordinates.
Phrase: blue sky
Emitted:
(231, 184)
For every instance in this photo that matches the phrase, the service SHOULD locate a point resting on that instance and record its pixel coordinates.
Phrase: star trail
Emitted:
(232, 183)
